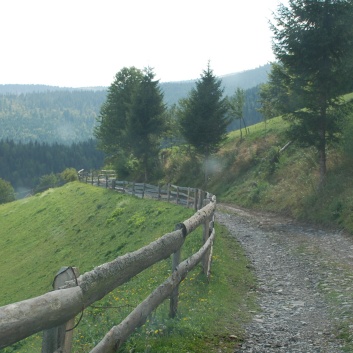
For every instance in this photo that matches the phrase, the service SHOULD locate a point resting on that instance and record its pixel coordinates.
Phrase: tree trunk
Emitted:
(322, 146)
(322, 164)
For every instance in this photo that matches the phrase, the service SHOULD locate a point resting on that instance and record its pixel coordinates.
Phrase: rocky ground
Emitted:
(305, 283)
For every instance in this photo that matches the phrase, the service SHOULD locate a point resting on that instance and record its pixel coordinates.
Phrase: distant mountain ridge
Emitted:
(173, 91)
(244, 79)
(55, 114)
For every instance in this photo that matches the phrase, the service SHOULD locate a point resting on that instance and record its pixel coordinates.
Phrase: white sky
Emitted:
(80, 43)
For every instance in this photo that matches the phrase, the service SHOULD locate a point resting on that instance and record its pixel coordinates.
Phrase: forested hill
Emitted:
(49, 114)
(53, 116)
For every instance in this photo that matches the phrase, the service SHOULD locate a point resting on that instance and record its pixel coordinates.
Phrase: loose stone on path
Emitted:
(291, 263)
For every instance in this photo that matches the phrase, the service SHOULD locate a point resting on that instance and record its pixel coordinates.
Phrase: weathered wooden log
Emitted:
(105, 278)
(118, 334)
(210, 253)
(200, 216)
(22, 319)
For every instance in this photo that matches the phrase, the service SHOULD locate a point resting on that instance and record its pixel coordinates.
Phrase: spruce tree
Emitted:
(131, 122)
(203, 115)
(146, 123)
(313, 43)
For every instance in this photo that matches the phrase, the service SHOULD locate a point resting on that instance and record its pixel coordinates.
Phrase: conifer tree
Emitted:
(203, 115)
(131, 122)
(146, 122)
(313, 43)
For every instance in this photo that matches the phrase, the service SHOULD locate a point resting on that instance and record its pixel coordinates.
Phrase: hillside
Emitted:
(250, 172)
(65, 115)
(245, 172)
(84, 226)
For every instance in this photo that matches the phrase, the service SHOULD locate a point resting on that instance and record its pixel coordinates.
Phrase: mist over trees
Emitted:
(51, 116)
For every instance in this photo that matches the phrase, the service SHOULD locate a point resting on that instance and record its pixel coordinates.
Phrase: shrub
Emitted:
(7, 193)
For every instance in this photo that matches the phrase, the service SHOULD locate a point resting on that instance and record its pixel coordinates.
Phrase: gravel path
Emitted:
(305, 283)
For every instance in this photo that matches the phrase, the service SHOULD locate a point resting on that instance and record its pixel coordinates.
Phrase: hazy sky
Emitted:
(81, 43)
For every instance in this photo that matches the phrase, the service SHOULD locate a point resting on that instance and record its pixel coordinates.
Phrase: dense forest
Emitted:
(64, 115)
(23, 163)
(51, 116)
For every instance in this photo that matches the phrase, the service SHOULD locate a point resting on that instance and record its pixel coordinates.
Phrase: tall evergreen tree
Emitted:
(131, 121)
(146, 122)
(313, 41)
(111, 131)
(203, 117)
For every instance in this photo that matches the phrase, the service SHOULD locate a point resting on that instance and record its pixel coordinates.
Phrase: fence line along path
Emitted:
(189, 197)
(53, 312)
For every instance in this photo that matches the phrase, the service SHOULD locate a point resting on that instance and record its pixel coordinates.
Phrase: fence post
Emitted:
(200, 200)
(159, 192)
(196, 199)
(92, 176)
(209, 253)
(106, 181)
(174, 298)
(177, 197)
(207, 225)
(187, 200)
(168, 192)
(57, 338)
(143, 190)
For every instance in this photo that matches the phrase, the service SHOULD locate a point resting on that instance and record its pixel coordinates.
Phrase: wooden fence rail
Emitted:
(55, 309)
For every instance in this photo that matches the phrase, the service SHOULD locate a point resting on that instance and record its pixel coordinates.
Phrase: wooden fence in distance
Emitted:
(189, 197)
(53, 312)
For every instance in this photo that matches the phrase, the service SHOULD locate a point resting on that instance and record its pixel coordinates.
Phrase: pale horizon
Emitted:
(85, 43)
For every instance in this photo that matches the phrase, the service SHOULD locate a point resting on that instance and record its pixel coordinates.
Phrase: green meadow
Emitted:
(84, 226)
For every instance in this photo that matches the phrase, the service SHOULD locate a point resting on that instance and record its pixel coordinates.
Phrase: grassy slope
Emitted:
(84, 226)
(289, 186)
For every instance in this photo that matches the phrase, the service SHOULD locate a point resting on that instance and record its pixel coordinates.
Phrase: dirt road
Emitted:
(305, 283)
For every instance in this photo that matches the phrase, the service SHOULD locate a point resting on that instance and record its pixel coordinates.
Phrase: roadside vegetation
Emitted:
(84, 226)
(250, 170)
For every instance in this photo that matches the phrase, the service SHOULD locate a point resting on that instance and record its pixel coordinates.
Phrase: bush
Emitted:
(68, 175)
(47, 181)
(7, 193)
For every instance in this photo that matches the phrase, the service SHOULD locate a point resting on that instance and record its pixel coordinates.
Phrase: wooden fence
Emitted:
(54, 312)
(189, 197)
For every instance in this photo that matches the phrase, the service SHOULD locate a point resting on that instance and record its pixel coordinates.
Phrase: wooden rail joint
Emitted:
(181, 226)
